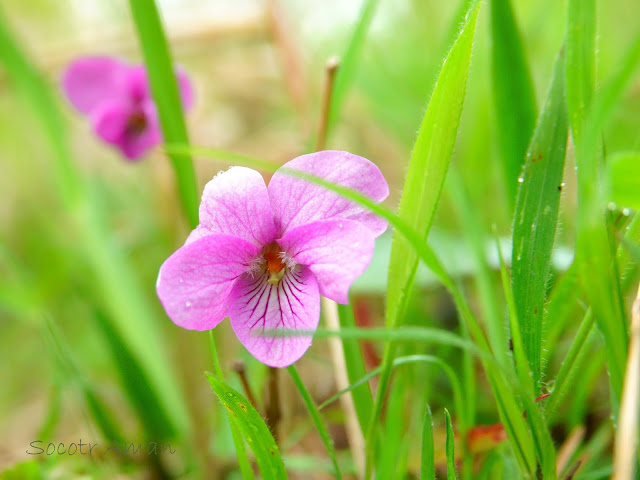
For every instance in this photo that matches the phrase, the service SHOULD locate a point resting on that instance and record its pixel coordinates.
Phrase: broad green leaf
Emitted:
(427, 467)
(253, 429)
(317, 419)
(450, 441)
(164, 87)
(513, 92)
(623, 179)
(536, 218)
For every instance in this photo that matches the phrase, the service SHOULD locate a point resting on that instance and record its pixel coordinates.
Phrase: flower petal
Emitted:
(110, 119)
(90, 81)
(257, 307)
(195, 282)
(336, 251)
(295, 201)
(136, 143)
(186, 89)
(236, 203)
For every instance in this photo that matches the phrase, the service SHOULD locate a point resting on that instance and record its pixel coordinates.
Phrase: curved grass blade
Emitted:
(317, 419)
(513, 92)
(409, 359)
(536, 218)
(450, 441)
(427, 466)
(427, 171)
(164, 88)
(253, 429)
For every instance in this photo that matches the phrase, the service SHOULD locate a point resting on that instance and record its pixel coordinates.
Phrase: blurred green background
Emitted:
(258, 71)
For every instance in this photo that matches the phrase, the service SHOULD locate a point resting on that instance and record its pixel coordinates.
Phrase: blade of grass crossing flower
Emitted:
(513, 93)
(450, 442)
(253, 429)
(115, 285)
(356, 369)
(536, 218)
(349, 61)
(427, 466)
(317, 419)
(164, 87)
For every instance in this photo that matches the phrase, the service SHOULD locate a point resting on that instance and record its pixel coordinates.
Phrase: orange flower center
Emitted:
(274, 262)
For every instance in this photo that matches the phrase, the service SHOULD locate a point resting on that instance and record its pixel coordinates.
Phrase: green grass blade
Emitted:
(349, 61)
(513, 92)
(623, 179)
(356, 369)
(429, 163)
(427, 171)
(595, 250)
(164, 87)
(253, 429)
(450, 441)
(427, 466)
(317, 419)
(536, 218)
(117, 288)
(581, 62)
(410, 359)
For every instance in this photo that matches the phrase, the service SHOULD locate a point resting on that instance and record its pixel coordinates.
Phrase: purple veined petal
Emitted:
(142, 132)
(257, 307)
(296, 202)
(236, 202)
(195, 282)
(336, 251)
(88, 82)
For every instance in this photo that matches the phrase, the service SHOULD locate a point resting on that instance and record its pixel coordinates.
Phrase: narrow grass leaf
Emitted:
(513, 92)
(253, 429)
(536, 218)
(598, 271)
(356, 369)
(450, 441)
(427, 466)
(429, 163)
(164, 88)
(317, 419)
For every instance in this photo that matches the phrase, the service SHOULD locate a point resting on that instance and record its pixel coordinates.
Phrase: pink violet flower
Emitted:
(263, 255)
(117, 99)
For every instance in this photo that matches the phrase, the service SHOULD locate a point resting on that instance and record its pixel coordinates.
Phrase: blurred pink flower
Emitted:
(117, 99)
(263, 255)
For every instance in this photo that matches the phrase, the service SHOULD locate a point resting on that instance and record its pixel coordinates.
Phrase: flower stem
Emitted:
(332, 66)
